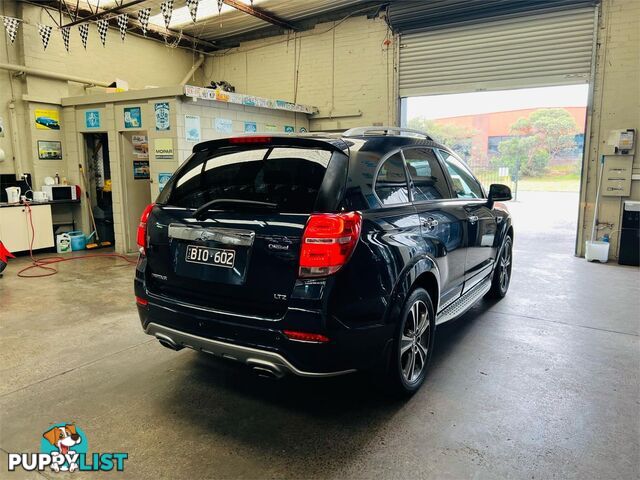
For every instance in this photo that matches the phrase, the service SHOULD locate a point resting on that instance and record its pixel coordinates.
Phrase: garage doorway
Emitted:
(98, 170)
(529, 139)
(136, 188)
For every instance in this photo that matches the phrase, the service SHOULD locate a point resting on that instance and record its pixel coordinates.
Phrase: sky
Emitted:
(442, 106)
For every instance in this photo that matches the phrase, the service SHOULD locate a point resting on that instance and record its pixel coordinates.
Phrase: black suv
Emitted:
(320, 255)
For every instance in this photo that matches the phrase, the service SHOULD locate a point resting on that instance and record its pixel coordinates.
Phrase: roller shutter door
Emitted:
(543, 49)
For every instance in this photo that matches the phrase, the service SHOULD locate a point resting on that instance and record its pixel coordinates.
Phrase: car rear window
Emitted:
(288, 177)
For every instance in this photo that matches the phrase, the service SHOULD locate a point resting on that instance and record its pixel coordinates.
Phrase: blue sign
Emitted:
(289, 129)
(162, 116)
(132, 117)
(92, 119)
(163, 178)
(250, 127)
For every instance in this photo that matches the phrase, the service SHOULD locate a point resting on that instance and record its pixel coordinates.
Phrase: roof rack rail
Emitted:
(386, 130)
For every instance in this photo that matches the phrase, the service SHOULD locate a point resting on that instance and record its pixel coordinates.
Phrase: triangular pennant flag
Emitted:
(143, 18)
(84, 34)
(220, 3)
(167, 9)
(103, 27)
(11, 26)
(122, 24)
(193, 8)
(66, 31)
(45, 34)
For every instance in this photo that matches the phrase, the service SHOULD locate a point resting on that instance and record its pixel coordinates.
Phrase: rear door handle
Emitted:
(430, 223)
(473, 219)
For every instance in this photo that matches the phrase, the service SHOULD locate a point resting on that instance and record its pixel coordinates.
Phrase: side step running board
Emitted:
(464, 303)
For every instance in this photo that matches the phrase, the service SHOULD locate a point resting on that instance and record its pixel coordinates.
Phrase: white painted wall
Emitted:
(616, 105)
(339, 67)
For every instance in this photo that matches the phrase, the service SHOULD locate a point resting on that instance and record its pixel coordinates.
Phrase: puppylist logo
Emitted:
(64, 448)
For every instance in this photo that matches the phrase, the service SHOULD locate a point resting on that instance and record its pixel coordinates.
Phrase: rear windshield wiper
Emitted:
(233, 202)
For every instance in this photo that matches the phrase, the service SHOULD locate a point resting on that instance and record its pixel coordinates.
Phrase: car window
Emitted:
(465, 184)
(391, 182)
(428, 179)
(289, 177)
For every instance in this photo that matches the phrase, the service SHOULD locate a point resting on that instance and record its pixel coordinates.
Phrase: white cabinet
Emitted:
(15, 228)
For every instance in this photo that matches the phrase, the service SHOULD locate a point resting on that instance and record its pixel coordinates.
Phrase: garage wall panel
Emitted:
(535, 50)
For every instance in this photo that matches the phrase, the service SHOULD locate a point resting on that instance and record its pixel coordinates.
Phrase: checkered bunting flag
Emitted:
(122, 24)
(65, 31)
(45, 34)
(143, 18)
(167, 9)
(11, 26)
(103, 27)
(193, 8)
(84, 34)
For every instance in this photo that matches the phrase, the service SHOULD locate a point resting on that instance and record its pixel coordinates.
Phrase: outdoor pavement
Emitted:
(543, 384)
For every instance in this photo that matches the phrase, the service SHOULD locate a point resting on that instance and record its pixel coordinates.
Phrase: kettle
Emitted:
(13, 194)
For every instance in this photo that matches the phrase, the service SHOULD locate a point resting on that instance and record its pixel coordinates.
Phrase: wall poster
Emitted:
(140, 146)
(49, 150)
(250, 127)
(289, 129)
(163, 148)
(47, 119)
(162, 116)
(192, 128)
(163, 178)
(223, 125)
(132, 117)
(141, 169)
(92, 119)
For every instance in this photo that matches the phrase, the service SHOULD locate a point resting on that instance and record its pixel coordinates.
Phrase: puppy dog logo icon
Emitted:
(65, 440)
(64, 448)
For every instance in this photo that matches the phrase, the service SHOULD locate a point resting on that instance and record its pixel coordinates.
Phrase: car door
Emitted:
(442, 219)
(481, 222)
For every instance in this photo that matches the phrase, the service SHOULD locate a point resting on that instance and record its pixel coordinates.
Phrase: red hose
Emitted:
(43, 263)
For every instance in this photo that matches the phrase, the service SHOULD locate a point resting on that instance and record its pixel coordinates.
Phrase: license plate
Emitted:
(217, 257)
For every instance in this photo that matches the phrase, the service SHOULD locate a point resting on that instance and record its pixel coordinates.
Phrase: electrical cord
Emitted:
(45, 262)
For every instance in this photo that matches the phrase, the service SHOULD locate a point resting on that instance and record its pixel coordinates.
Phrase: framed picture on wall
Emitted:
(49, 150)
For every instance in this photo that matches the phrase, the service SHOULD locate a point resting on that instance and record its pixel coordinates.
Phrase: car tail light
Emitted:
(328, 242)
(305, 337)
(142, 229)
(249, 139)
(142, 302)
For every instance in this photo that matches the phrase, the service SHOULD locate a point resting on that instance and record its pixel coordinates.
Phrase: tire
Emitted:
(404, 381)
(502, 273)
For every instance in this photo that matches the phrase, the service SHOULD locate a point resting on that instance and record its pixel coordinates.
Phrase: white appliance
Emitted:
(60, 192)
(13, 194)
(40, 197)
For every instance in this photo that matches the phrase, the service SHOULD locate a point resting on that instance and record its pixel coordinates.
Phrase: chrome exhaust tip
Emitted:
(167, 341)
(265, 369)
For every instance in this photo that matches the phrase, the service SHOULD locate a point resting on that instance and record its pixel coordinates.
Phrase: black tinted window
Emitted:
(464, 183)
(428, 180)
(391, 183)
(288, 177)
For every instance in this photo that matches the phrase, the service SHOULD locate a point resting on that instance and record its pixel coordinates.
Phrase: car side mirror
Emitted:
(499, 193)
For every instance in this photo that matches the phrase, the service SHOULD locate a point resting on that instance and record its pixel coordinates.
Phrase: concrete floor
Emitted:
(543, 384)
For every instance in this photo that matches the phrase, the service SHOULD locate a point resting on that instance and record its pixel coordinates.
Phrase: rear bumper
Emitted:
(260, 360)
(261, 343)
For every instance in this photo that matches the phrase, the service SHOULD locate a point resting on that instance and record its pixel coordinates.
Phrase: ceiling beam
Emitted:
(83, 15)
(262, 15)
(102, 13)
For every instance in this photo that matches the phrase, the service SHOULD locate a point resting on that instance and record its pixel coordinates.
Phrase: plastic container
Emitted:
(63, 243)
(78, 240)
(596, 251)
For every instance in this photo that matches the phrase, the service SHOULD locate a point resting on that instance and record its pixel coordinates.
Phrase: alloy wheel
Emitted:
(414, 343)
(505, 266)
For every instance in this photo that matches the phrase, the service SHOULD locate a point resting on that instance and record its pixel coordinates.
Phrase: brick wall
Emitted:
(344, 69)
(616, 105)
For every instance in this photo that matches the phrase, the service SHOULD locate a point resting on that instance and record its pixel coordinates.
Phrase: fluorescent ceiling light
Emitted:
(206, 9)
